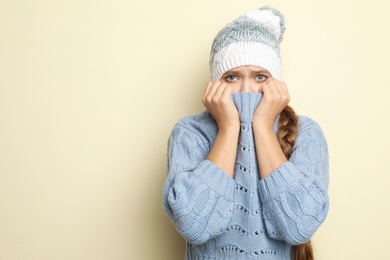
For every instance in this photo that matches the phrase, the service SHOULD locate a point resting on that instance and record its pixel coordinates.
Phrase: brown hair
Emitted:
(287, 133)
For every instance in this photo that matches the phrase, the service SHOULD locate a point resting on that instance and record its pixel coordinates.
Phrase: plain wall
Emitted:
(90, 90)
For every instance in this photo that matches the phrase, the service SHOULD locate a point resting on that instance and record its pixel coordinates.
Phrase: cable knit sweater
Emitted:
(244, 217)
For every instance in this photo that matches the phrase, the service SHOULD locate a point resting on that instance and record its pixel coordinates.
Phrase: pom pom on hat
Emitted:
(276, 24)
(251, 39)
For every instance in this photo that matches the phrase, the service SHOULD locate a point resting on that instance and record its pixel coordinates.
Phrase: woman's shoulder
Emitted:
(309, 125)
(195, 121)
(202, 124)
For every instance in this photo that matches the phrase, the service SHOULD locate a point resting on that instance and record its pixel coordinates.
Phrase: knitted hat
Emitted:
(251, 39)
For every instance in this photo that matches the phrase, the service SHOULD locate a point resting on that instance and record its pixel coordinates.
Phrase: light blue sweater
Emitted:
(244, 217)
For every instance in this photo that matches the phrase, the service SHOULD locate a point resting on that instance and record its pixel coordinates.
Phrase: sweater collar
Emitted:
(246, 103)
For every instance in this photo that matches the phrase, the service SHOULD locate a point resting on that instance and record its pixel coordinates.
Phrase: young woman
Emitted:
(247, 178)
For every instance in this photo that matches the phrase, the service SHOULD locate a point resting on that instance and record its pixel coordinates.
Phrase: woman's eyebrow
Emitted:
(260, 71)
(253, 72)
(231, 72)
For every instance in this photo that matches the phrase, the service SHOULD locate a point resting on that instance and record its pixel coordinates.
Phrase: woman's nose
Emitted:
(247, 86)
(244, 88)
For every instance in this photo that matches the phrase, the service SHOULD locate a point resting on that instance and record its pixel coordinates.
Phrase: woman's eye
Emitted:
(231, 78)
(261, 78)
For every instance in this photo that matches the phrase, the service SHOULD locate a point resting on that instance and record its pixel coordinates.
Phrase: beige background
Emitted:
(90, 90)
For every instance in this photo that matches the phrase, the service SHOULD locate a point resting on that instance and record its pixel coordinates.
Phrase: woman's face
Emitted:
(246, 78)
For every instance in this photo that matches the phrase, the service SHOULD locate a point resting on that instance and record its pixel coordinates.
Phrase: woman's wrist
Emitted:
(224, 149)
(263, 126)
(231, 129)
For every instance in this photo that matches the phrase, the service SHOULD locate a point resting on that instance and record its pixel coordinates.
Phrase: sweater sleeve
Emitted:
(294, 197)
(198, 196)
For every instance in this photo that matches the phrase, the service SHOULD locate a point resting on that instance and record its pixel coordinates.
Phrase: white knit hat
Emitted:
(251, 39)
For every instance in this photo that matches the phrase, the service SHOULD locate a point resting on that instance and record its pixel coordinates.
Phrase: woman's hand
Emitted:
(275, 99)
(268, 151)
(217, 99)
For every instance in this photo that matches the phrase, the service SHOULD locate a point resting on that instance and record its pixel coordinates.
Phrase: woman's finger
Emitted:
(226, 93)
(284, 91)
(213, 88)
(206, 91)
(218, 92)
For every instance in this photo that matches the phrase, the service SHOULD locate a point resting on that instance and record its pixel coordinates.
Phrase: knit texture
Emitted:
(251, 39)
(244, 217)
